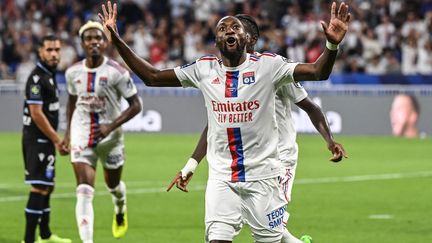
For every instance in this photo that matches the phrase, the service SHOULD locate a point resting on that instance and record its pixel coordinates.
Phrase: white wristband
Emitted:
(189, 167)
(331, 46)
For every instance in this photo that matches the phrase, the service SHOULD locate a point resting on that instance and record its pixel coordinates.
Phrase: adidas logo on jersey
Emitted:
(215, 81)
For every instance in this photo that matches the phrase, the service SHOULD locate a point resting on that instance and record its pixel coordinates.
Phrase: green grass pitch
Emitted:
(381, 194)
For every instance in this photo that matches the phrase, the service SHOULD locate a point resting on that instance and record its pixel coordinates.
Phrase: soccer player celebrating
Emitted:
(288, 149)
(239, 92)
(96, 86)
(40, 140)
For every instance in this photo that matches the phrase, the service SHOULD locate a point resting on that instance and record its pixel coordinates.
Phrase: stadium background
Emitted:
(380, 194)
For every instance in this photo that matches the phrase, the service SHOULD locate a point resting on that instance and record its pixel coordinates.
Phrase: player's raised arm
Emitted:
(334, 31)
(148, 74)
(320, 123)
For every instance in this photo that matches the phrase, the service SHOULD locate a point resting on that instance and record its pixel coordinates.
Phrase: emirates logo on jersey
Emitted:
(216, 81)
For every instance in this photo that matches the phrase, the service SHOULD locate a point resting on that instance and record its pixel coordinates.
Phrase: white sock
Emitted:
(84, 212)
(118, 195)
(287, 237)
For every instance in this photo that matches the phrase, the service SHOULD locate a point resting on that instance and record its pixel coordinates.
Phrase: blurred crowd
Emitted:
(385, 36)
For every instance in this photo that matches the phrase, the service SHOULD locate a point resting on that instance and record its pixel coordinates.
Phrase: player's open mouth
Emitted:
(231, 41)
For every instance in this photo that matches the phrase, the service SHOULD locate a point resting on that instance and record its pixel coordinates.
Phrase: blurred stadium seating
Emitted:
(385, 37)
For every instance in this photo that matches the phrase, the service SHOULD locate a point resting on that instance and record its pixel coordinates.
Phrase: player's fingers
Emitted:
(342, 151)
(324, 26)
(336, 157)
(348, 18)
(173, 182)
(110, 10)
(115, 11)
(104, 11)
(180, 185)
(101, 18)
(344, 12)
(333, 10)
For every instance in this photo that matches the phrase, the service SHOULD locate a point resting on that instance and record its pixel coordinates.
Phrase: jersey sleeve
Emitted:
(293, 91)
(69, 83)
(34, 90)
(188, 75)
(283, 71)
(126, 86)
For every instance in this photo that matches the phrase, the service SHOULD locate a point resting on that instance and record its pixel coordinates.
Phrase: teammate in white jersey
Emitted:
(96, 86)
(288, 148)
(239, 93)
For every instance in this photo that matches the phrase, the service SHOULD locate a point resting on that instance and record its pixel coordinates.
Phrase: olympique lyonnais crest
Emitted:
(249, 78)
(103, 81)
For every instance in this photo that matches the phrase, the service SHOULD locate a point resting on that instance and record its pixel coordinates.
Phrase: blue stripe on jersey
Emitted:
(235, 143)
(231, 84)
(91, 78)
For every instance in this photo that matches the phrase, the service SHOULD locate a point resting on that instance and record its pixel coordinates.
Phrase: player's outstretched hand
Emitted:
(109, 19)
(180, 182)
(336, 29)
(338, 152)
(62, 148)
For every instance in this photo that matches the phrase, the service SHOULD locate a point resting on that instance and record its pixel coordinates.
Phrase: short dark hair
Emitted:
(250, 24)
(49, 37)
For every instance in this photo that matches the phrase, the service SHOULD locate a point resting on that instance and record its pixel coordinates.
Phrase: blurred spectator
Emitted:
(24, 69)
(424, 62)
(404, 114)
(385, 32)
(68, 55)
(409, 54)
(142, 40)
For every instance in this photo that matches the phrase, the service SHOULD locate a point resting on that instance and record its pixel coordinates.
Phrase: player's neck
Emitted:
(233, 60)
(94, 62)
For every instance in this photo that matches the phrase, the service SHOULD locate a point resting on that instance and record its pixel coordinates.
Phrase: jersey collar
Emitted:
(96, 68)
(44, 68)
(239, 67)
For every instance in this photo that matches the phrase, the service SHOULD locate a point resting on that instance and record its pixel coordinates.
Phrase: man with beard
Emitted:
(239, 92)
(40, 140)
(288, 148)
(96, 86)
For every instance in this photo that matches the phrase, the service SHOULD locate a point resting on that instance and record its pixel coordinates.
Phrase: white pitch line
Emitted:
(380, 216)
(201, 187)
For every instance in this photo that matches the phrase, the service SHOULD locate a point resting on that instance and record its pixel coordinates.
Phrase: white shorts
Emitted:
(110, 152)
(287, 181)
(260, 204)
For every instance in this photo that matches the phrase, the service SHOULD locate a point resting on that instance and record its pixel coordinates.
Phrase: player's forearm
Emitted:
(43, 124)
(201, 148)
(133, 109)
(70, 108)
(320, 123)
(324, 64)
(145, 71)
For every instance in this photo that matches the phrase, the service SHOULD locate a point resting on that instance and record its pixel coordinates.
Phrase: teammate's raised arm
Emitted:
(335, 32)
(148, 74)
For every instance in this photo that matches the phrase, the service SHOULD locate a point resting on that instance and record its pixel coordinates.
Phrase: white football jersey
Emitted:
(288, 149)
(99, 92)
(242, 130)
